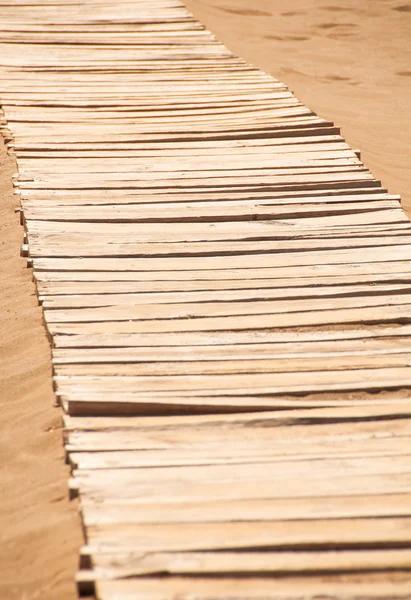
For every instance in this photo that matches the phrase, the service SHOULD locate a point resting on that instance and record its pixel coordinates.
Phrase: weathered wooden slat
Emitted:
(88, 402)
(256, 364)
(174, 355)
(54, 245)
(307, 435)
(191, 212)
(120, 485)
(243, 454)
(348, 259)
(184, 513)
(297, 309)
(80, 323)
(108, 565)
(251, 338)
(137, 299)
(290, 286)
(392, 532)
(370, 588)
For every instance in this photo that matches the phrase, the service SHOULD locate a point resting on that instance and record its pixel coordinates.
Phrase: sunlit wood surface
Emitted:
(226, 288)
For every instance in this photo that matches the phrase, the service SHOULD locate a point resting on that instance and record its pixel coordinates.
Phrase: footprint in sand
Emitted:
(327, 25)
(368, 12)
(338, 30)
(294, 13)
(403, 8)
(336, 78)
(336, 9)
(332, 25)
(340, 36)
(287, 38)
(247, 12)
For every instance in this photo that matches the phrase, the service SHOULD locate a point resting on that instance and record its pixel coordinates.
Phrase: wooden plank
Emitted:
(104, 142)
(150, 195)
(276, 146)
(220, 393)
(146, 405)
(75, 245)
(115, 565)
(257, 294)
(367, 588)
(53, 289)
(121, 486)
(365, 220)
(213, 338)
(255, 365)
(221, 318)
(215, 263)
(69, 271)
(232, 454)
(274, 535)
(345, 350)
(243, 384)
(249, 421)
(214, 511)
(303, 436)
(324, 318)
(189, 212)
(248, 471)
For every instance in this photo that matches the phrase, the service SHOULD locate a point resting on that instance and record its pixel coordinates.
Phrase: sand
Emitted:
(348, 61)
(39, 528)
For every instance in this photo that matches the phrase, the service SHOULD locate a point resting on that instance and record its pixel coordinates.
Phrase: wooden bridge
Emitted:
(227, 293)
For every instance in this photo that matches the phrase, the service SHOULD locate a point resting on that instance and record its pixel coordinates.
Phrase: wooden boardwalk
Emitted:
(227, 292)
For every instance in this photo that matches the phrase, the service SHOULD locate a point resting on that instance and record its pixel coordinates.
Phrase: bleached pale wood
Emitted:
(370, 587)
(250, 421)
(82, 323)
(53, 245)
(329, 534)
(222, 338)
(137, 299)
(340, 179)
(390, 220)
(108, 565)
(295, 311)
(146, 404)
(150, 195)
(250, 535)
(173, 355)
(243, 383)
(235, 454)
(117, 434)
(274, 146)
(341, 260)
(203, 243)
(221, 394)
(104, 142)
(318, 285)
(255, 364)
(121, 486)
(198, 211)
(69, 272)
(308, 508)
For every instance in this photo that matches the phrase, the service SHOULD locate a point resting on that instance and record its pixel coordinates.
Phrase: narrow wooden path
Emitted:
(227, 292)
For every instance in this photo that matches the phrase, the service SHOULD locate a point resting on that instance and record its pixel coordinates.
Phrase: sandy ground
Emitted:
(350, 62)
(39, 529)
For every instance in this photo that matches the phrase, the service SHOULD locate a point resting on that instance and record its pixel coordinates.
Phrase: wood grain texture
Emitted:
(227, 292)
